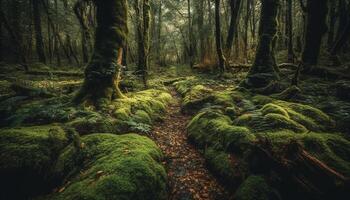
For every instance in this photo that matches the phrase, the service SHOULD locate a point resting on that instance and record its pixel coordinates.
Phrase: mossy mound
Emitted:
(281, 115)
(213, 128)
(255, 188)
(111, 167)
(196, 97)
(26, 157)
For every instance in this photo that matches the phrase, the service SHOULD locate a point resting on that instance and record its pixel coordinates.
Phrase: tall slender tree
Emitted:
(219, 50)
(38, 30)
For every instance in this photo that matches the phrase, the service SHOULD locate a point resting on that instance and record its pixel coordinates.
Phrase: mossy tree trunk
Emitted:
(102, 75)
(219, 50)
(264, 70)
(316, 11)
(38, 31)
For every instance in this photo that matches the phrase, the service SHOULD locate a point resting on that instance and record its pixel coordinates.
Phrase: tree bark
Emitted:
(190, 35)
(331, 23)
(316, 11)
(289, 28)
(264, 70)
(38, 31)
(219, 50)
(235, 6)
(102, 75)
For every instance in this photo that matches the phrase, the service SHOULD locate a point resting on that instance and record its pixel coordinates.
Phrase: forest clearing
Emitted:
(174, 99)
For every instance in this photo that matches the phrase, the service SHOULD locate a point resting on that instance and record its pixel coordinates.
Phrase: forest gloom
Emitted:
(174, 99)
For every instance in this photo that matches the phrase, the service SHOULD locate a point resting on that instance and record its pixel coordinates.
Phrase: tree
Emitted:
(38, 31)
(142, 33)
(289, 31)
(102, 75)
(264, 70)
(235, 6)
(219, 50)
(316, 11)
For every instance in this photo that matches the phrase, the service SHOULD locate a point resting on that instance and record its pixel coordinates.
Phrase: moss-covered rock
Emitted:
(196, 97)
(26, 157)
(111, 167)
(224, 166)
(281, 115)
(255, 188)
(213, 128)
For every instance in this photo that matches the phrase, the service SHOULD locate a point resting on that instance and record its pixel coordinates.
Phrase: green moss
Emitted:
(26, 157)
(196, 97)
(312, 118)
(281, 115)
(330, 148)
(281, 122)
(95, 123)
(223, 166)
(255, 188)
(142, 117)
(213, 128)
(262, 100)
(112, 167)
(272, 108)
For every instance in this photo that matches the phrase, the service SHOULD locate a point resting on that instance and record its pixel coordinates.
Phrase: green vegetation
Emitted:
(111, 167)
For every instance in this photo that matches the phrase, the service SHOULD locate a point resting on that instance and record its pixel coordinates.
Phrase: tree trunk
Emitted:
(246, 27)
(316, 27)
(38, 31)
(264, 70)
(159, 33)
(102, 75)
(14, 37)
(190, 35)
(219, 50)
(235, 6)
(145, 37)
(289, 28)
(85, 34)
(331, 23)
(201, 34)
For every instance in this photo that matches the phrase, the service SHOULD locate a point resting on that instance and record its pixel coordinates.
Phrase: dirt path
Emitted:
(188, 177)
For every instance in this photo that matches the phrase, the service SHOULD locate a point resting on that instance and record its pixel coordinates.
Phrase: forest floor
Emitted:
(188, 176)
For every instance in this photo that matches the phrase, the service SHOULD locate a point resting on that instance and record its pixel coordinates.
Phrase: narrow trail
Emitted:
(188, 177)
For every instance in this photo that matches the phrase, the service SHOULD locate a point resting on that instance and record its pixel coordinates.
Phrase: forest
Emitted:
(174, 99)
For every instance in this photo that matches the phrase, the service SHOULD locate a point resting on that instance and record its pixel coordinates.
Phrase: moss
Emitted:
(213, 128)
(196, 97)
(95, 123)
(223, 166)
(113, 167)
(330, 148)
(26, 157)
(255, 188)
(142, 117)
(312, 118)
(262, 100)
(272, 108)
(280, 122)
(281, 115)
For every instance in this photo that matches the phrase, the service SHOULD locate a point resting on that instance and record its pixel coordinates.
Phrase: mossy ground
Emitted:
(43, 145)
(228, 122)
